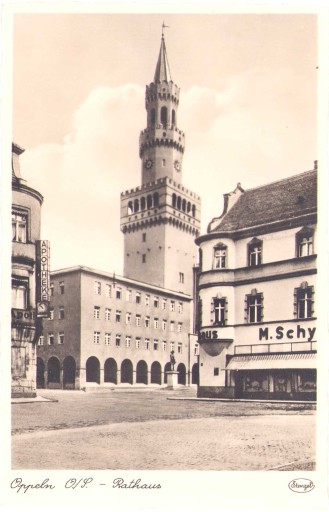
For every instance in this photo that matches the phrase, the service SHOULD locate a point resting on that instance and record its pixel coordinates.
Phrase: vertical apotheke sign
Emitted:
(43, 277)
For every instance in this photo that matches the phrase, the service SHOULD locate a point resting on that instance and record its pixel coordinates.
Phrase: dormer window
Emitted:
(255, 249)
(220, 256)
(305, 242)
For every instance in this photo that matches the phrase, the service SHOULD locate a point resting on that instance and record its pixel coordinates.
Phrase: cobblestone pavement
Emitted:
(144, 430)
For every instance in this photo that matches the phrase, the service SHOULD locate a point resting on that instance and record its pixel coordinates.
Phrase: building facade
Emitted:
(161, 219)
(25, 326)
(106, 330)
(257, 293)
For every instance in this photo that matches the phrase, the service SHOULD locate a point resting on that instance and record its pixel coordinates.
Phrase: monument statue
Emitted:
(172, 360)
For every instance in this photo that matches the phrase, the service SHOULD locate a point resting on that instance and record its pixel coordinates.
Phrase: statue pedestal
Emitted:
(172, 379)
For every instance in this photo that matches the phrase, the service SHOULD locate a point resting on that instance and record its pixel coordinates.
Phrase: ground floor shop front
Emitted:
(282, 376)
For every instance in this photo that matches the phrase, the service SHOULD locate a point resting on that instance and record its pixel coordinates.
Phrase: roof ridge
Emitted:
(282, 180)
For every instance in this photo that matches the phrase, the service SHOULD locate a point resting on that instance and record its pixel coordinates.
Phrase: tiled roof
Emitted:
(286, 199)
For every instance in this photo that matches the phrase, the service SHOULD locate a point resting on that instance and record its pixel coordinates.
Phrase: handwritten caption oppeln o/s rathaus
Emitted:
(82, 483)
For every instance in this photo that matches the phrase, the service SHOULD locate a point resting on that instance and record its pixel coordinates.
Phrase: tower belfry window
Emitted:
(173, 117)
(153, 116)
(164, 116)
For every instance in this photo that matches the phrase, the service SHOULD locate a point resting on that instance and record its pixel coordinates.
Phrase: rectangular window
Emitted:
(144, 237)
(138, 320)
(19, 227)
(181, 277)
(51, 314)
(107, 338)
(220, 256)
(41, 341)
(128, 295)
(255, 254)
(179, 327)
(138, 298)
(164, 325)
(62, 288)
(143, 258)
(147, 300)
(155, 345)
(97, 336)
(118, 316)
(147, 344)
(216, 372)
(180, 348)
(196, 349)
(305, 245)
(219, 310)
(97, 311)
(61, 313)
(128, 341)
(108, 290)
(164, 346)
(128, 318)
(156, 302)
(97, 287)
(254, 308)
(60, 338)
(164, 304)
(51, 289)
(147, 321)
(304, 298)
(172, 346)
(180, 307)
(156, 323)
(118, 293)
(172, 305)
(172, 326)
(107, 314)
(19, 293)
(138, 343)
(118, 340)
(50, 338)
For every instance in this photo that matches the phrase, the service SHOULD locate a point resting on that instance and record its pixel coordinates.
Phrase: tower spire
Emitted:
(162, 70)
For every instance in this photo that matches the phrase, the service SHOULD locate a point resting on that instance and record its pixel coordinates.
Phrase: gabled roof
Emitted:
(282, 200)
(162, 71)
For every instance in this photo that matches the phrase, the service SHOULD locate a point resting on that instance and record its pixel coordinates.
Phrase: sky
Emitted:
(248, 107)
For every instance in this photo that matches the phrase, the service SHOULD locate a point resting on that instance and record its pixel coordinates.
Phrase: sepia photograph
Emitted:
(165, 255)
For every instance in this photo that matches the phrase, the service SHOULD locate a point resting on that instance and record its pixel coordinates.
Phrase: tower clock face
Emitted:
(177, 165)
(148, 164)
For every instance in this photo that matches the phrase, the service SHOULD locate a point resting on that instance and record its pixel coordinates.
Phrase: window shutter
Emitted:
(261, 307)
(226, 312)
(295, 302)
(212, 311)
(246, 308)
(312, 291)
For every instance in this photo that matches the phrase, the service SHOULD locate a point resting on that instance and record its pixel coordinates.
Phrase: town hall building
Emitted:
(120, 330)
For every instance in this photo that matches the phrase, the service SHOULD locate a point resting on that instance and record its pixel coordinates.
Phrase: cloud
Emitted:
(248, 131)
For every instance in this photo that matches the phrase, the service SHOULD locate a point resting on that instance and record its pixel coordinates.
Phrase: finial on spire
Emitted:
(163, 27)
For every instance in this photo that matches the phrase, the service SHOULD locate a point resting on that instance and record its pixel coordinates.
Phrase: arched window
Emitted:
(136, 205)
(156, 199)
(130, 207)
(164, 117)
(255, 252)
(174, 200)
(179, 202)
(184, 205)
(193, 210)
(143, 203)
(149, 201)
(153, 116)
(173, 117)
(188, 208)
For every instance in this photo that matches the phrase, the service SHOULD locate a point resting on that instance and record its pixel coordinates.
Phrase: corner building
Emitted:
(161, 219)
(25, 326)
(107, 330)
(257, 293)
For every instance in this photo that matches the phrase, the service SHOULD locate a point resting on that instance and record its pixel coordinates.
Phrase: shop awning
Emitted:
(273, 362)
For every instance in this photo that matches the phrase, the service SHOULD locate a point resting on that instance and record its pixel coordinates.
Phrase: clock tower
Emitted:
(161, 219)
